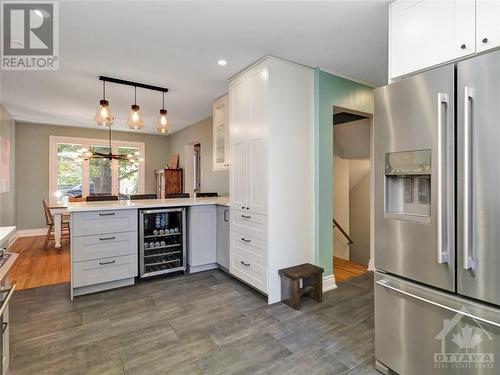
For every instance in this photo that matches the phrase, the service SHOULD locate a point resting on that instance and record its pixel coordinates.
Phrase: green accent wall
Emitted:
(330, 91)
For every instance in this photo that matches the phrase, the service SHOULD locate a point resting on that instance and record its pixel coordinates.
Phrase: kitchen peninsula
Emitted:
(106, 242)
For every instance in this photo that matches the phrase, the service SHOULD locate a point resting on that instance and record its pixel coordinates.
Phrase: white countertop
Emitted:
(5, 233)
(145, 203)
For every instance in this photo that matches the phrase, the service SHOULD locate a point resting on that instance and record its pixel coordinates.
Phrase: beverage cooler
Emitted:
(162, 241)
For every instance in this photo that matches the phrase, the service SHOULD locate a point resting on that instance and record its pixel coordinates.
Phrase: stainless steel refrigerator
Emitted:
(437, 220)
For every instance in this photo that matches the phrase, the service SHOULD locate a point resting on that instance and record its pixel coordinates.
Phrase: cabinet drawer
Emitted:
(254, 225)
(250, 272)
(103, 270)
(249, 247)
(104, 246)
(99, 222)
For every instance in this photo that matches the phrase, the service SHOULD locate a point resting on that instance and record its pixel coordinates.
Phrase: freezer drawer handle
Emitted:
(245, 240)
(468, 246)
(104, 263)
(245, 263)
(246, 217)
(442, 211)
(107, 238)
(107, 214)
(385, 284)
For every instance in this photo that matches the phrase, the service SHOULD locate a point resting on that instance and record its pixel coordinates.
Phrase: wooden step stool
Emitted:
(312, 284)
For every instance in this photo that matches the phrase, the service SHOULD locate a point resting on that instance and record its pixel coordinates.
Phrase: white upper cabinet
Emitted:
(487, 24)
(248, 177)
(220, 113)
(425, 33)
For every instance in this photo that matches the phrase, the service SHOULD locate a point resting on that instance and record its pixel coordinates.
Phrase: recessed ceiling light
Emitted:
(222, 62)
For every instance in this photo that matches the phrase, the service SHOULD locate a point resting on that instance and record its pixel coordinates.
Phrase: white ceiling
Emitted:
(177, 44)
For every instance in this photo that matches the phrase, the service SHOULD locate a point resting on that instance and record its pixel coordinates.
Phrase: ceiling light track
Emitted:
(132, 83)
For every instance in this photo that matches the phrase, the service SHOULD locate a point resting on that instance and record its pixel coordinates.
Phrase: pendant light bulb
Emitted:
(162, 126)
(103, 116)
(134, 119)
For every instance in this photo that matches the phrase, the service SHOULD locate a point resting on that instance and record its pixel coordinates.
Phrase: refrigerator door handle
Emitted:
(442, 206)
(385, 284)
(468, 248)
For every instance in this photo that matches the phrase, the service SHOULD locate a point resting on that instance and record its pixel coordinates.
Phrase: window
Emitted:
(70, 178)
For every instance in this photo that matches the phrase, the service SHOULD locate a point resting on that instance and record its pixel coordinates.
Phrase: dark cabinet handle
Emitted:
(107, 214)
(248, 208)
(245, 240)
(107, 238)
(463, 46)
(246, 217)
(485, 40)
(242, 207)
(103, 263)
(225, 215)
(245, 264)
(4, 326)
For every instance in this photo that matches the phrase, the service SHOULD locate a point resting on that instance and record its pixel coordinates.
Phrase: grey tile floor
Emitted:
(206, 323)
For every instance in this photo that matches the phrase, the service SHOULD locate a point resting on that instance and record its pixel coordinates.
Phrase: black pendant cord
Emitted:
(163, 100)
(135, 95)
(103, 90)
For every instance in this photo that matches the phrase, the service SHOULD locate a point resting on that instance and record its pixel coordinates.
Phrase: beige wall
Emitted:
(7, 199)
(32, 164)
(200, 132)
(359, 217)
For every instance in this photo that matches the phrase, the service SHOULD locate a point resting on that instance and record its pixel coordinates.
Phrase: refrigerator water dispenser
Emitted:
(408, 185)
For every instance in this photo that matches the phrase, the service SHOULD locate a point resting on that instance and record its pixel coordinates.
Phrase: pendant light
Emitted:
(103, 116)
(162, 126)
(134, 119)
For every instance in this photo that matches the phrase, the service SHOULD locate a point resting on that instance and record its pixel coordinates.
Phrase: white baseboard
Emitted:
(329, 283)
(27, 233)
(371, 265)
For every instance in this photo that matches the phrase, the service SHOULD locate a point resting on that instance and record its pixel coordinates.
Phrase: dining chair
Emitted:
(49, 219)
(177, 195)
(99, 198)
(142, 196)
(206, 195)
(76, 199)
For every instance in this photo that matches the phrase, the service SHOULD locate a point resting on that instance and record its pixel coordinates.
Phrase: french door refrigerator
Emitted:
(437, 220)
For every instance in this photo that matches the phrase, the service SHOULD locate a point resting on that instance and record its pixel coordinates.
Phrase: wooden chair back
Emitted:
(98, 198)
(48, 216)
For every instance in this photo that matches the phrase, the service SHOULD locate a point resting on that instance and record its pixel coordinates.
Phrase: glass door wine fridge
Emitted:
(162, 241)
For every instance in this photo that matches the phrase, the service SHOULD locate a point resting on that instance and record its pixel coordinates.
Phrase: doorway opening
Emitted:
(192, 179)
(352, 211)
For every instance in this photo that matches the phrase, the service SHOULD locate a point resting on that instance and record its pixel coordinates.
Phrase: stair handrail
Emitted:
(348, 238)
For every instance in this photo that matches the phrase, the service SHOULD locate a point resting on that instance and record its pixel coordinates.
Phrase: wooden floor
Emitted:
(205, 323)
(345, 269)
(36, 266)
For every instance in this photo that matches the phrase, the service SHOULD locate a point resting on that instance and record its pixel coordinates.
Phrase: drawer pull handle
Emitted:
(107, 214)
(245, 240)
(107, 238)
(245, 263)
(103, 263)
(246, 217)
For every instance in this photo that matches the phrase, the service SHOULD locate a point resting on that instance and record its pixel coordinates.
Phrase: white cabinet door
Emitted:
(220, 113)
(202, 236)
(487, 24)
(223, 236)
(257, 176)
(256, 146)
(238, 176)
(425, 33)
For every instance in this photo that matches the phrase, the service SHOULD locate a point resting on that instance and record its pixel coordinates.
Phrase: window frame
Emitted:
(86, 143)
